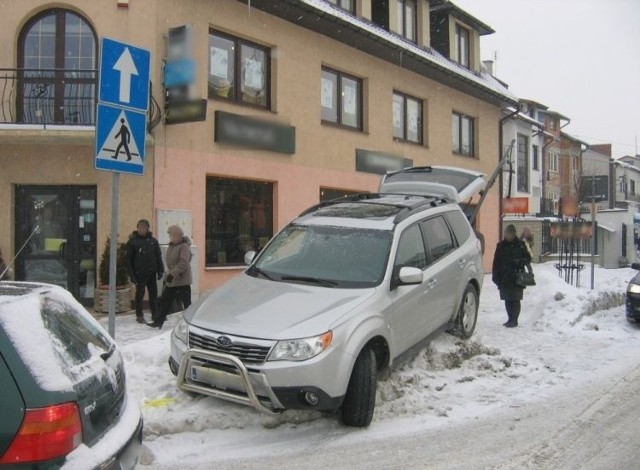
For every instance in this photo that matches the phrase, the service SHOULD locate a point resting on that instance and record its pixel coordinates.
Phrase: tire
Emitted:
(467, 317)
(360, 399)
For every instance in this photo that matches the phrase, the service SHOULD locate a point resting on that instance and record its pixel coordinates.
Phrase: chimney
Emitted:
(489, 66)
(604, 149)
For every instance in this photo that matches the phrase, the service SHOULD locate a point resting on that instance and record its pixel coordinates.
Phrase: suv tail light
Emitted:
(45, 434)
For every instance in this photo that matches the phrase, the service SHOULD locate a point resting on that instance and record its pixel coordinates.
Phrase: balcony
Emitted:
(44, 97)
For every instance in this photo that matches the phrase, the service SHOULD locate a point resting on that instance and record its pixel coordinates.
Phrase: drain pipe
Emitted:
(500, 151)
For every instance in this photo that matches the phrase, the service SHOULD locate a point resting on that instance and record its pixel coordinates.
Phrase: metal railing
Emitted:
(48, 96)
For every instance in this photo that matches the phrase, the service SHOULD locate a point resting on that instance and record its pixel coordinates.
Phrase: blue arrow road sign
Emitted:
(124, 75)
(120, 135)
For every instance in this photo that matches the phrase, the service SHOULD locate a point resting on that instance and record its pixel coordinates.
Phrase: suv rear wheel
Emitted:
(465, 322)
(360, 400)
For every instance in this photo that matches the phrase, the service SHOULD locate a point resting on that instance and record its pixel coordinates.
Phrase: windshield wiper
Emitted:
(107, 354)
(311, 280)
(259, 272)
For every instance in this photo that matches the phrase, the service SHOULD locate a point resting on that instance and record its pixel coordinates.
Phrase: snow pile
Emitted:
(566, 333)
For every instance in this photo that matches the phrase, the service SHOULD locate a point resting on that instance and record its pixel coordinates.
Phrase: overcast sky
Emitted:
(579, 57)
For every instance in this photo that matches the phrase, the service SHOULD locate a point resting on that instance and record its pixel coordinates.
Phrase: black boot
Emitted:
(140, 318)
(156, 324)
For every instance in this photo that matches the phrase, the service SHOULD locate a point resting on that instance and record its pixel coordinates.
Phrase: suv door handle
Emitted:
(461, 262)
(431, 283)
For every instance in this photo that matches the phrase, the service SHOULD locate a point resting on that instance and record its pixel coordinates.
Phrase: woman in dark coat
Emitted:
(510, 258)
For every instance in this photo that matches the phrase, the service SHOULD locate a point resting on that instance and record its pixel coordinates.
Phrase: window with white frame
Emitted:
(407, 13)
(346, 5)
(463, 46)
(553, 162)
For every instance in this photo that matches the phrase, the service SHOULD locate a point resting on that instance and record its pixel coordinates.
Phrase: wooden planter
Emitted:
(123, 299)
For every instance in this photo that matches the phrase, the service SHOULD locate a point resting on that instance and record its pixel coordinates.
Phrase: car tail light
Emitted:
(45, 434)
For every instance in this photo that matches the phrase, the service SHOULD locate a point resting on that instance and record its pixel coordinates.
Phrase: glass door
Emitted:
(58, 223)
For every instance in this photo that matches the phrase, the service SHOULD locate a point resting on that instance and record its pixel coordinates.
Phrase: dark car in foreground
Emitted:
(633, 296)
(63, 396)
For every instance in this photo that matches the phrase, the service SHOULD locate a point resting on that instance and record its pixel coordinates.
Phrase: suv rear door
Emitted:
(456, 184)
(447, 267)
(11, 407)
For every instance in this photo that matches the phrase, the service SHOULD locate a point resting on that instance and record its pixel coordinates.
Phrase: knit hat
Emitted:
(144, 222)
(511, 229)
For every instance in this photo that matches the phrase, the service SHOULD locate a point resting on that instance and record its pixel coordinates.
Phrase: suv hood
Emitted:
(264, 309)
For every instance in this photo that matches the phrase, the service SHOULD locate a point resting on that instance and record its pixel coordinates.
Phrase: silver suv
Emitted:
(340, 295)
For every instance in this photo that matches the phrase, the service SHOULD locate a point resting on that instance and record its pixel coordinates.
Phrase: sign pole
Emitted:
(113, 252)
(593, 229)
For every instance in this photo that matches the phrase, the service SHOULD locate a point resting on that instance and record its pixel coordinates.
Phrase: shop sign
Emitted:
(379, 163)
(254, 133)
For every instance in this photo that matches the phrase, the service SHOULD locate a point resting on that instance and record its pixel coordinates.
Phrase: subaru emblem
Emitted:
(224, 341)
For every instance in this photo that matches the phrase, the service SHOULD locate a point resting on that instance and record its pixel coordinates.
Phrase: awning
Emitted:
(606, 228)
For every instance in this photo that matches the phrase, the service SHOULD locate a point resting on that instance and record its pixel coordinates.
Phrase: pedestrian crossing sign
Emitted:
(120, 135)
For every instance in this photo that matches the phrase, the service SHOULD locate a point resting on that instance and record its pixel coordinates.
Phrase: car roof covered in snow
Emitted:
(11, 291)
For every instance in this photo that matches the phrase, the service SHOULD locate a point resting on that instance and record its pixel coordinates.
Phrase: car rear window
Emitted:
(74, 335)
(460, 226)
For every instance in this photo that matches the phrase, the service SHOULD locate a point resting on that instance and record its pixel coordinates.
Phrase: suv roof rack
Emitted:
(410, 204)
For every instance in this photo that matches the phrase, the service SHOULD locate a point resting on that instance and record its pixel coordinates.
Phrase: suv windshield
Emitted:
(325, 256)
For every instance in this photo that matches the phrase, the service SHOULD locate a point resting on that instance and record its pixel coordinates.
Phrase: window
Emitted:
(462, 46)
(623, 186)
(239, 218)
(523, 164)
(58, 61)
(462, 132)
(460, 226)
(552, 124)
(239, 70)
(438, 236)
(347, 5)
(407, 118)
(553, 162)
(535, 159)
(411, 252)
(632, 187)
(341, 98)
(407, 19)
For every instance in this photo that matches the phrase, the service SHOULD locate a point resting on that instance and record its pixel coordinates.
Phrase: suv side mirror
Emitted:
(635, 266)
(409, 276)
(248, 257)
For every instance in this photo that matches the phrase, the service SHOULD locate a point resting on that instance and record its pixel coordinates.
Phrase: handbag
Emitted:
(525, 278)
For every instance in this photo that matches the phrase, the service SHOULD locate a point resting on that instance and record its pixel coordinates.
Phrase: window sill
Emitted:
(342, 126)
(466, 155)
(410, 142)
(243, 104)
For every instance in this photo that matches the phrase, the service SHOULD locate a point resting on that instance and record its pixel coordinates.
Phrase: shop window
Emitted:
(463, 46)
(239, 218)
(341, 99)
(239, 70)
(346, 5)
(407, 118)
(462, 132)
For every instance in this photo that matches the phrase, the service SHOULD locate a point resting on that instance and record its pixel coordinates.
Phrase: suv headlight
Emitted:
(634, 288)
(181, 330)
(300, 349)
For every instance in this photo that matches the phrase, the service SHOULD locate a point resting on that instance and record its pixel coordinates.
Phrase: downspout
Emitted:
(545, 171)
(500, 151)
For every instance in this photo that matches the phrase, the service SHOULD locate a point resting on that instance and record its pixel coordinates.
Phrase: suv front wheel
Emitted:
(467, 317)
(360, 400)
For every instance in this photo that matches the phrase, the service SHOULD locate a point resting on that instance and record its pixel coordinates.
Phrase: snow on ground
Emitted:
(567, 337)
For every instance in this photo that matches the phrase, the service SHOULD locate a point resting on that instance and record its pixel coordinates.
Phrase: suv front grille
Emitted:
(250, 353)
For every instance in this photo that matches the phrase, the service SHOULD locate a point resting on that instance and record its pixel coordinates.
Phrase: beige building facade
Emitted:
(305, 101)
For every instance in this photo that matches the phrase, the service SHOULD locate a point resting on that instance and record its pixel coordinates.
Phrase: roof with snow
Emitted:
(331, 21)
(457, 12)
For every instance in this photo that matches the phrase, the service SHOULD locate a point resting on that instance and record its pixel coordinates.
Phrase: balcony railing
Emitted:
(48, 96)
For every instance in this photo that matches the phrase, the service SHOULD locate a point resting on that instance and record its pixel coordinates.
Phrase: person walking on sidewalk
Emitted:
(510, 258)
(178, 280)
(144, 264)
